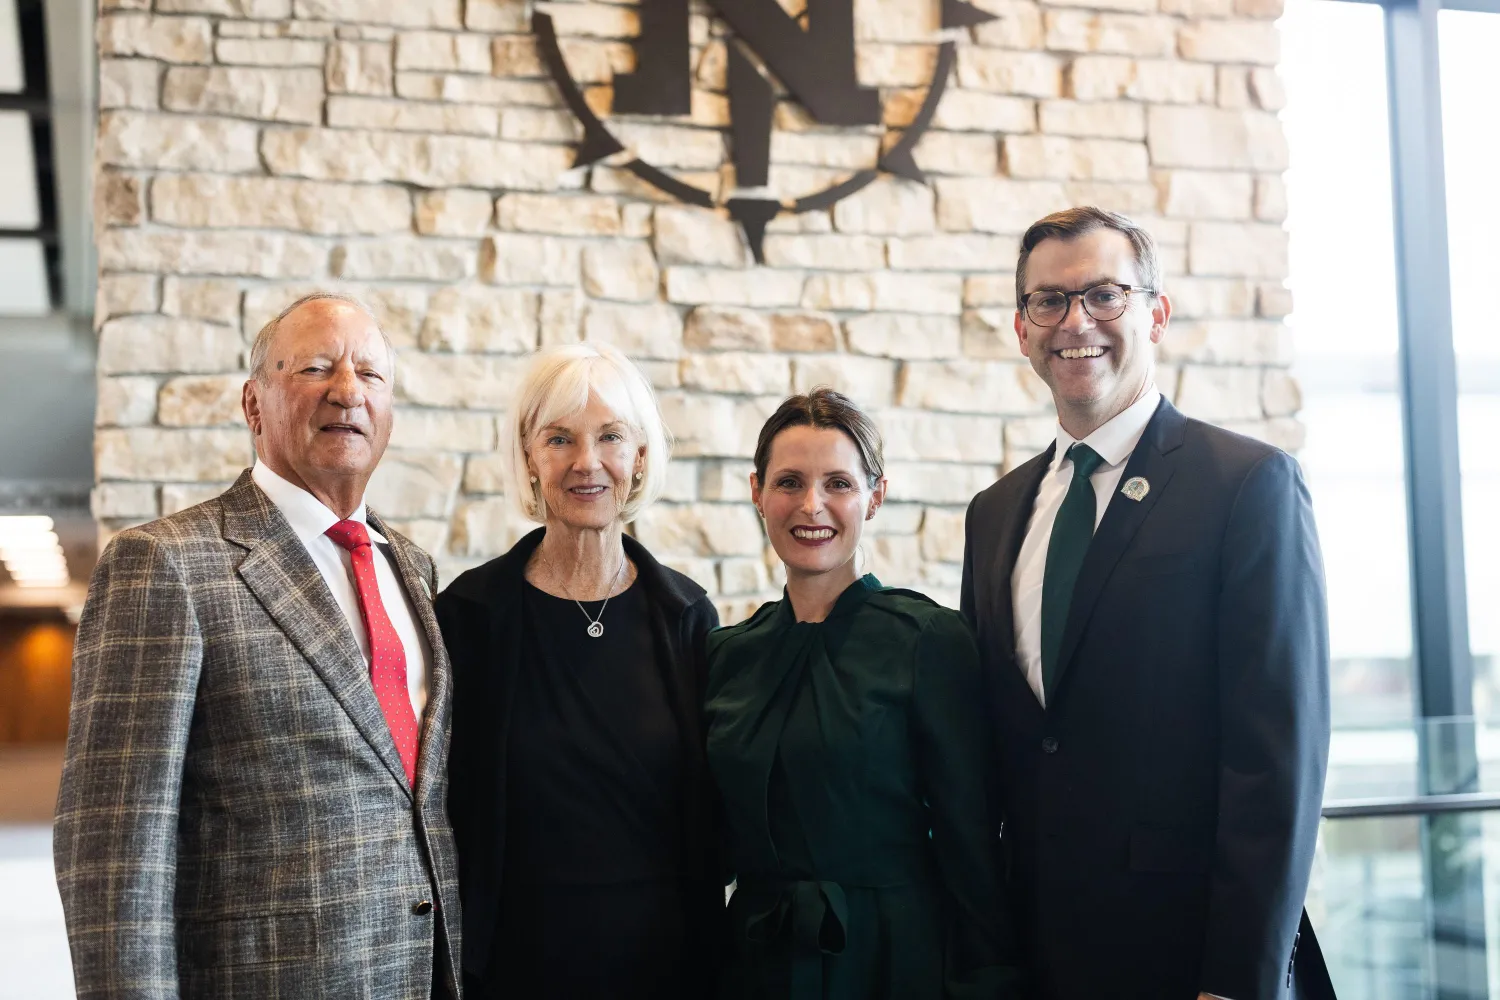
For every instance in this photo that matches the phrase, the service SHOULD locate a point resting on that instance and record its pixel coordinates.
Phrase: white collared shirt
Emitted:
(1115, 441)
(310, 518)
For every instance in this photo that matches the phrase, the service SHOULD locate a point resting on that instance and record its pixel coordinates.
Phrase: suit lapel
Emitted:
(1017, 506)
(1152, 460)
(287, 583)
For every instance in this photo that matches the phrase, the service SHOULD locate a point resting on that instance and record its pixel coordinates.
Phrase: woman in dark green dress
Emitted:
(845, 736)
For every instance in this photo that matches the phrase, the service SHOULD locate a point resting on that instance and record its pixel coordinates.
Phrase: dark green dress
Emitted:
(851, 758)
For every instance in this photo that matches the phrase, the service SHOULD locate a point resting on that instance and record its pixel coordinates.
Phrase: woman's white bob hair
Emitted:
(558, 384)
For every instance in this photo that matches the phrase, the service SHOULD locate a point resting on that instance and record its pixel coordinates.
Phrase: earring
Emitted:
(639, 476)
(533, 480)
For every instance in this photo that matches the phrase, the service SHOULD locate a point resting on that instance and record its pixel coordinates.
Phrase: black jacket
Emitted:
(1160, 814)
(482, 623)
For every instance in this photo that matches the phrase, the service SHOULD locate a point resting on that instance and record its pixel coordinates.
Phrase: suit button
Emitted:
(422, 909)
(1049, 744)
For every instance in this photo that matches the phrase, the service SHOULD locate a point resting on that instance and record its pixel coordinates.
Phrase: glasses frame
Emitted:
(1082, 294)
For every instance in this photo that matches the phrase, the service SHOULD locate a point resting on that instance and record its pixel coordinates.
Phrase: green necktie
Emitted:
(1071, 534)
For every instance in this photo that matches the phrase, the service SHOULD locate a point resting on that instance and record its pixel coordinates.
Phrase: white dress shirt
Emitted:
(1114, 442)
(310, 518)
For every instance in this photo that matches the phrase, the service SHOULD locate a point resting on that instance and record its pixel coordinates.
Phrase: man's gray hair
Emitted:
(262, 346)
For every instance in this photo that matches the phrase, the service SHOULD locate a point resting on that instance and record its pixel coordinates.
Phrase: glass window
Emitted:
(12, 70)
(23, 278)
(19, 207)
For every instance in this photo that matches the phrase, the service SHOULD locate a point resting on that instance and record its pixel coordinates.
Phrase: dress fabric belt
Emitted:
(817, 915)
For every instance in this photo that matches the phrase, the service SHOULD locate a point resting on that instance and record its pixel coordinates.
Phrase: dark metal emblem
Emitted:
(815, 63)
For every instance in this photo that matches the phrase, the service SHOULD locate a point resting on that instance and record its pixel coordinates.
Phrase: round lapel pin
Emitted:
(1136, 488)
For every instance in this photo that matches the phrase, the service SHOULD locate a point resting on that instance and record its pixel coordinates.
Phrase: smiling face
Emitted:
(1094, 369)
(585, 465)
(321, 408)
(816, 498)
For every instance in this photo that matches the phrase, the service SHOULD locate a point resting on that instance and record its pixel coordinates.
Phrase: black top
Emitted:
(595, 764)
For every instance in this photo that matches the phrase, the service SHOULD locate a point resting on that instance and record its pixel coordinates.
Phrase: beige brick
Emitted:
(717, 329)
(1267, 88)
(687, 235)
(162, 344)
(1216, 139)
(923, 436)
(563, 215)
(935, 482)
(801, 331)
(727, 480)
(737, 373)
(595, 20)
(539, 125)
(1273, 300)
(609, 180)
(1220, 394)
(1236, 41)
(496, 15)
(252, 254)
(213, 201)
(212, 299)
(641, 331)
(950, 252)
(398, 309)
(1198, 8)
(485, 474)
(868, 381)
(1209, 298)
(995, 204)
(715, 426)
(977, 111)
(125, 401)
(170, 39)
(622, 271)
(1230, 249)
(476, 319)
(406, 14)
(991, 289)
(443, 52)
(1270, 198)
(412, 116)
(894, 21)
(672, 145)
(360, 68)
(1234, 87)
(488, 527)
(130, 83)
(1034, 157)
(990, 334)
(973, 387)
(760, 288)
(1227, 342)
(943, 535)
(903, 336)
(253, 9)
(154, 454)
(1204, 194)
(850, 151)
(512, 259)
(270, 51)
(283, 95)
(124, 500)
(561, 317)
(471, 381)
(836, 252)
(443, 430)
(201, 401)
(1017, 24)
(453, 212)
(1108, 77)
(123, 294)
(407, 258)
(433, 161)
(877, 64)
(175, 142)
(888, 206)
(957, 153)
(1101, 119)
(743, 576)
(463, 89)
(701, 529)
(415, 484)
(1280, 394)
(1125, 34)
(1028, 74)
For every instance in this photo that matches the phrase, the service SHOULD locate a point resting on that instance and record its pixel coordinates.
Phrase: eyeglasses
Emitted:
(1104, 302)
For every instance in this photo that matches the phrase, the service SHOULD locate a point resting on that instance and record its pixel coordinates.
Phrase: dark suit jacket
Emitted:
(1160, 815)
(482, 623)
(234, 819)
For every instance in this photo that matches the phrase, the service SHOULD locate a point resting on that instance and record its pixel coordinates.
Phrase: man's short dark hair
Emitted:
(1072, 223)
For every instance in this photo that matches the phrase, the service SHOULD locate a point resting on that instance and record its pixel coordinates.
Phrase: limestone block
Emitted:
(1234, 87)
(626, 272)
(1102, 119)
(201, 401)
(1219, 394)
(270, 51)
(485, 474)
(212, 299)
(215, 202)
(1125, 34)
(119, 199)
(399, 310)
(991, 290)
(443, 52)
(1267, 88)
(923, 436)
(561, 317)
(124, 500)
(711, 329)
(977, 111)
(1227, 342)
(164, 344)
(1280, 394)
(487, 527)
(950, 252)
(936, 482)
(803, 331)
(476, 319)
(1232, 41)
(1017, 24)
(867, 381)
(641, 331)
(414, 484)
(736, 373)
(453, 212)
(888, 206)
(943, 535)
(903, 336)
(672, 145)
(701, 529)
(1028, 437)
(264, 10)
(175, 142)
(283, 95)
(262, 255)
(1270, 198)
(990, 334)
(877, 64)
(463, 89)
(761, 288)
(957, 153)
(360, 68)
(636, 220)
(517, 55)
(893, 21)
(1204, 194)
(539, 125)
(688, 235)
(412, 116)
(433, 161)
(745, 575)
(1273, 300)
(123, 294)
(479, 381)
(1055, 156)
(130, 83)
(886, 291)
(408, 258)
(595, 20)
(895, 559)
(712, 425)
(509, 259)
(1136, 199)
(1198, 8)
(835, 252)
(995, 204)
(1209, 298)
(848, 151)
(170, 39)
(1027, 74)
(443, 430)
(725, 480)
(125, 401)
(609, 180)
(1255, 250)
(1010, 388)
(496, 15)
(1216, 139)
(155, 454)
(563, 215)
(1165, 81)
(176, 497)
(406, 14)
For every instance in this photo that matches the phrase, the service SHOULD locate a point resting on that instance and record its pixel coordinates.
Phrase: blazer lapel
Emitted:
(287, 583)
(1018, 506)
(1151, 461)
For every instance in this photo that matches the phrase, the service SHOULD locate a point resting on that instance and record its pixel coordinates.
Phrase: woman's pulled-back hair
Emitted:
(824, 408)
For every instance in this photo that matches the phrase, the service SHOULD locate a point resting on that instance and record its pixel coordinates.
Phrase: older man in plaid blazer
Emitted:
(253, 799)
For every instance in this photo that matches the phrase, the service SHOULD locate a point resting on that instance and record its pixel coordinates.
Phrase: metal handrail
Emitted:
(1411, 805)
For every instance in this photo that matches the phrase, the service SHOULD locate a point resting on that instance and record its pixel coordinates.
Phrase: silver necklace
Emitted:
(596, 625)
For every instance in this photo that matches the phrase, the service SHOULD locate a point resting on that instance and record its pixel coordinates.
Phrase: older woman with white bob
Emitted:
(579, 795)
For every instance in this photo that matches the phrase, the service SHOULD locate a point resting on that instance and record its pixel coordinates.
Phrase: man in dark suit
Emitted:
(1148, 596)
(252, 801)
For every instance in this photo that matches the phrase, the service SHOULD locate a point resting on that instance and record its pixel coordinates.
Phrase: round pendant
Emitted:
(596, 629)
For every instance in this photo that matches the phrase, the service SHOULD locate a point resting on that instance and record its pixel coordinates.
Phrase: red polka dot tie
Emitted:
(387, 656)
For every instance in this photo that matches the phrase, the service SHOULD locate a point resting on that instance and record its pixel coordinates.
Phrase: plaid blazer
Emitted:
(234, 820)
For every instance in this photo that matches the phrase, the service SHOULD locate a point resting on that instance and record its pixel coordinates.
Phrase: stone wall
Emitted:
(414, 151)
